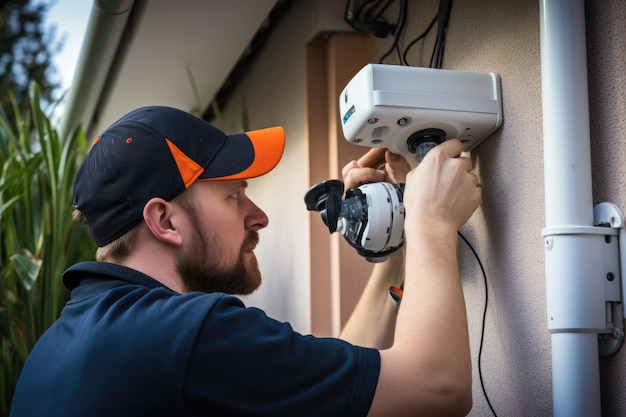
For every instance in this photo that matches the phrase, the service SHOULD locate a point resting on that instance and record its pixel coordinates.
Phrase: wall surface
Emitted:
(274, 94)
(503, 37)
(500, 36)
(606, 64)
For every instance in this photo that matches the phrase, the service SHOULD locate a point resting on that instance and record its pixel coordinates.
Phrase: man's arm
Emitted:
(427, 370)
(373, 321)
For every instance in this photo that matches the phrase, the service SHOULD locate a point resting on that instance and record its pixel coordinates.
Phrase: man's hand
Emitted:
(442, 188)
(373, 321)
(377, 165)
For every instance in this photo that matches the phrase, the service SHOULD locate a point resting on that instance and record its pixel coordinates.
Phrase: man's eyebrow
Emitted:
(238, 185)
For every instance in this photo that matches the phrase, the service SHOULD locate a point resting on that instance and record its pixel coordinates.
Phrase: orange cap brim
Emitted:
(269, 145)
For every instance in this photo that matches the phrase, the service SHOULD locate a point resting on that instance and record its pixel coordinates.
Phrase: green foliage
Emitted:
(38, 239)
(26, 52)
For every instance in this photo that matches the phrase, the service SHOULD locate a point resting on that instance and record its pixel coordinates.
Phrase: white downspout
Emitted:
(106, 25)
(573, 249)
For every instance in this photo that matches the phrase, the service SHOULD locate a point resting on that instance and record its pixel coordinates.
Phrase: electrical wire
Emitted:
(482, 332)
(379, 14)
(400, 24)
(368, 17)
(443, 16)
(414, 41)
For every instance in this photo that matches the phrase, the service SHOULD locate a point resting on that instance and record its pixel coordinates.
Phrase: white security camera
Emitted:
(411, 109)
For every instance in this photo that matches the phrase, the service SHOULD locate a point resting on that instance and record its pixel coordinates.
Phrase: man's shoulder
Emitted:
(119, 298)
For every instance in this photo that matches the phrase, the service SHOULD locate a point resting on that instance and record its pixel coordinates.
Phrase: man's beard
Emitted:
(200, 267)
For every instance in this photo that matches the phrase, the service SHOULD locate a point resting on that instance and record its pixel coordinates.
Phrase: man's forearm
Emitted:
(372, 323)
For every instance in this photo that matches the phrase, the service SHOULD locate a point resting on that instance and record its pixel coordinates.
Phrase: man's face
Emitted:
(218, 254)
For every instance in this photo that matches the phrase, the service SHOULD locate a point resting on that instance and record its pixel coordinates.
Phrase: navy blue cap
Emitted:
(159, 152)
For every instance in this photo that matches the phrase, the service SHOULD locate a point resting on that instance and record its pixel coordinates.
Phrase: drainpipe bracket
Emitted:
(609, 216)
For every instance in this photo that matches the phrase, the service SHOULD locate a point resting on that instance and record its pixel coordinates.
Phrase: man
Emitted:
(153, 328)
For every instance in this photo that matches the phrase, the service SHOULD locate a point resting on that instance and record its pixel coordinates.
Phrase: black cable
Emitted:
(414, 41)
(398, 30)
(443, 16)
(482, 332)
(368, 17)
(352, 17)
(379, 14)
(365, 5)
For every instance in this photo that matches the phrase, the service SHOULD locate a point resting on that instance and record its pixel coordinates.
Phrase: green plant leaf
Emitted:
(38, 239)
(8, 204)
(27, 267)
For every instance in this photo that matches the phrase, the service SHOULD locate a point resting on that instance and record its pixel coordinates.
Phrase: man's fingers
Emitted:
(451, 147)
(468, 163)
(346, 169)
(373, 158)
(358, 176)
(365, 169)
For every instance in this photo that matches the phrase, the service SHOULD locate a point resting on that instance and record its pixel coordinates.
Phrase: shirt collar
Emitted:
(106, 271)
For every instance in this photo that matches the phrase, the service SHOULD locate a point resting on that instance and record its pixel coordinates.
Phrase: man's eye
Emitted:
(234, 195)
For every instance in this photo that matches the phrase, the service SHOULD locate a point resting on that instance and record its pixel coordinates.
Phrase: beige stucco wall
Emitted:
(499, 36)
(606, 52)
(274, 93)
(503, 37)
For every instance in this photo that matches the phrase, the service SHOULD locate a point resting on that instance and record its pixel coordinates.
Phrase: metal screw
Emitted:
(372, 120)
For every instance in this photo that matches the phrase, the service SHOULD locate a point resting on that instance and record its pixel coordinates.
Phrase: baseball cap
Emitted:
(161, 151)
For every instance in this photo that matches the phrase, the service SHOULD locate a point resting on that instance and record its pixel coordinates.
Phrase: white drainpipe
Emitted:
(106, 25)
(580, 287)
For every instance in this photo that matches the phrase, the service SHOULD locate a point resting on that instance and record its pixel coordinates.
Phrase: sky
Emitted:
(70, 19)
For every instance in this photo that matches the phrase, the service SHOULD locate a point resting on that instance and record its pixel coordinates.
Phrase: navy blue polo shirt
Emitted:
(125, 345)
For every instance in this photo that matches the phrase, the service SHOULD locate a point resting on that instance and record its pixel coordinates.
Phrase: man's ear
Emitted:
(158, 215)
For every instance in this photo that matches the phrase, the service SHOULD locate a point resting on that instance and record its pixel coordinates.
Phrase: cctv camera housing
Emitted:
(384, 105)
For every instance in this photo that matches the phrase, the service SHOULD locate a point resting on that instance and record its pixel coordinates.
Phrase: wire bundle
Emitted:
(369, 16)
